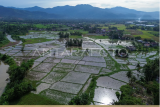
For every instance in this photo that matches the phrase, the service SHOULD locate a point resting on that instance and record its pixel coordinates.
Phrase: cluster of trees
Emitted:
(156, 28)
(3, 39)
(17, 87)
(76, 33)
(74, 42)
(63, 35)
(14, 30)
(148, 81)
(115, 34)
(138, 38)
(148, 40)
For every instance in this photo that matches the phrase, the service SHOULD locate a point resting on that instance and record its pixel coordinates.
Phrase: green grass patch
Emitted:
(145, 35)
(36, 40)
(34, 99)
(119, 26)
(74, 36)
(82, 31)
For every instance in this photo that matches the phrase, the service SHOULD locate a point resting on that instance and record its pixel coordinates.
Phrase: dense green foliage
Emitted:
(115, 34)
(76, 33)
(151, 70)
(74, 42)
(149, 81)
(3, 39)
(153, 87)
(126, 97)
(63, 35)
(17, 87)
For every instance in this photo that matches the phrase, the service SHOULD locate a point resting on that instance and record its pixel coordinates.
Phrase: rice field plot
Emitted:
(131, 67)
(104, 96)
(68, 61)
(53, 77)
(141, 60)
(144, 34)
(121, 76)
(88, 69)
(52, 60)
(134, 32)
(10, 54)
(62, 70)
(21, 54)
(105, 71)
(76, 77)
(36, 53)
(60, 97)
(110, 62)
(65, 65)
(67, 87)
(93, 59)
(40, 59)
(85, 87)
(81, 62)
(14, 51)
(35, 64)
(108, 82)
(98, 64)
(35, 76)
(3, 52)
(44, 67)
(74, 57)
(41, 87)
(123, 66)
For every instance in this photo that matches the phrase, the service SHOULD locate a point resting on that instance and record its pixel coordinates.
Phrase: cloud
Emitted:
(145, 5)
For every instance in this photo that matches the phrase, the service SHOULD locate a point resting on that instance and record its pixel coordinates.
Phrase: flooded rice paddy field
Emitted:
(62, 74)
(45, 34)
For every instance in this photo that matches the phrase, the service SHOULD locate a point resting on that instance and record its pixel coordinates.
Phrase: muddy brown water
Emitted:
(3, 76)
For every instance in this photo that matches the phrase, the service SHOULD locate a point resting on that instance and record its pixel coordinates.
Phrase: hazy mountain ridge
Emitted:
(81, 12)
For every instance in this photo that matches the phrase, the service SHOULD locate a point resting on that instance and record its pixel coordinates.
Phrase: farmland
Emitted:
(60, 74)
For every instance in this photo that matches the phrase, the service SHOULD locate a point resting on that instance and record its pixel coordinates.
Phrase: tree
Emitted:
(129, 75)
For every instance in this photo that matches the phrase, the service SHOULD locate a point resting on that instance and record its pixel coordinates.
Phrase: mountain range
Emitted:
(76, 12)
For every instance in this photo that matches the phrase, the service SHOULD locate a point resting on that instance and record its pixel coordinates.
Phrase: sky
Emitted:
(142, 5)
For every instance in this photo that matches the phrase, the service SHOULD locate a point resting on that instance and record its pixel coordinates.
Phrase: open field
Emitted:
(82, 31)
(36, 40)
(119, 26)
(61, 73)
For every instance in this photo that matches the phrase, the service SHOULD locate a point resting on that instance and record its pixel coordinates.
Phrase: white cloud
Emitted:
(145, 5)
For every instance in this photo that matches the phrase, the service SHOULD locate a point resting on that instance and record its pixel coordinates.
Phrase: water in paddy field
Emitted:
(3, 76)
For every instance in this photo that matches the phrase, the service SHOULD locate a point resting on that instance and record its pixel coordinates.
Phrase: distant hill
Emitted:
(79, 12)
(23, 14)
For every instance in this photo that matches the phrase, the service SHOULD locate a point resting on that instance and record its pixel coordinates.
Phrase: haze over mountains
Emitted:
(75, 12)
